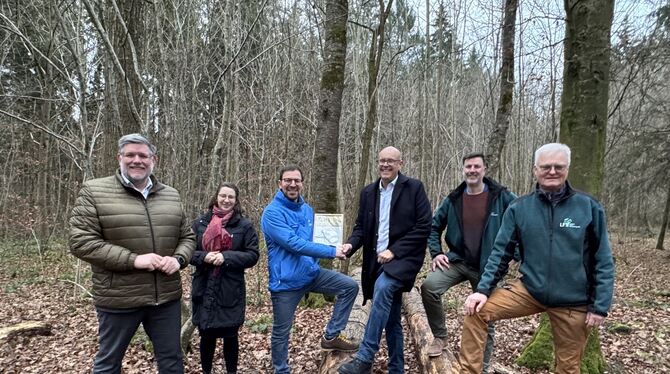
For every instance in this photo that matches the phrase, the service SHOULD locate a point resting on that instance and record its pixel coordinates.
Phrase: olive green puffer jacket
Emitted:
(111, 224)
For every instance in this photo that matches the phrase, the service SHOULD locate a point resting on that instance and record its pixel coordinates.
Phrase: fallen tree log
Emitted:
(331, 360)
(422, 336)
(26, 328)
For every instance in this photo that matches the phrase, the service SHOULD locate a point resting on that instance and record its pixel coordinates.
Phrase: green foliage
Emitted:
(260, 325)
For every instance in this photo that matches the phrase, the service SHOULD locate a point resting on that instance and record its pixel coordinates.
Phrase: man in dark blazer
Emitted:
(393, 225)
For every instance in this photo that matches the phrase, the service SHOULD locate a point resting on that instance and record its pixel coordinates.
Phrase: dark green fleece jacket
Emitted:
(566, 258)
(449, 216)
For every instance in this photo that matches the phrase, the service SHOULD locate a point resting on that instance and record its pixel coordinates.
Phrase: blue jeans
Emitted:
(284, 304)
(116, 327)
(384, 314)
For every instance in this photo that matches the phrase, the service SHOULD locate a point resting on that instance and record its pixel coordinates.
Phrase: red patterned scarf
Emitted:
(216, 238)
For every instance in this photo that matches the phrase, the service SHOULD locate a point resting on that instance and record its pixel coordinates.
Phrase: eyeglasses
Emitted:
(387, 161)
(132, 155)
(292, 180)
(559, 168)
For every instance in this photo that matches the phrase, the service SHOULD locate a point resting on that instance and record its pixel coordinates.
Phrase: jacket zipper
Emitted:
(551, 250)
(153, 247)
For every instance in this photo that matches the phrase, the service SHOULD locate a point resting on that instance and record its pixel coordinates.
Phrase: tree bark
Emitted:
(586, 89)
(324, 191)
(497, 139)
(584, 120)
(331, 361)
(664, 224)
(25, 328)
(422, 336)
(374, 63)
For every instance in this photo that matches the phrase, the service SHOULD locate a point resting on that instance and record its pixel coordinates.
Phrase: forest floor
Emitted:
(36, 287)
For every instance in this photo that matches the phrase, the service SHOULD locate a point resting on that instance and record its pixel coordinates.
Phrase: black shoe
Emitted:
(355, 366)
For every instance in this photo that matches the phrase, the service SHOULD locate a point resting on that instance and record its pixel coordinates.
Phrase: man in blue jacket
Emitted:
(392, 227)
(293, 263)
(471, 214)
(566, 263)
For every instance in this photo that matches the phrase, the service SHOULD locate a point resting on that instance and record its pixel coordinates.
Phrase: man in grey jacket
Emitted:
(133, 232)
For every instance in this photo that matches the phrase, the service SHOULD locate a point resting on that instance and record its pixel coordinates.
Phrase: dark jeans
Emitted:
(385, 315)
(116, 328)
(284, 304)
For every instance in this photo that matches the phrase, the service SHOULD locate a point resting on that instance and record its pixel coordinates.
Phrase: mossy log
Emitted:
(26, 328)
(331, 360)
(539, 352)
(422, 336)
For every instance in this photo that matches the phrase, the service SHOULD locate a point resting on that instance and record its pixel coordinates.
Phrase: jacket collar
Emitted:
(397, 189)
(494, 189)
(283, 200)
(566, 193)
(157, 186)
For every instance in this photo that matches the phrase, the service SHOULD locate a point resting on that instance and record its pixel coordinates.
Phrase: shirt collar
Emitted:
(391, 184)
(145, 190)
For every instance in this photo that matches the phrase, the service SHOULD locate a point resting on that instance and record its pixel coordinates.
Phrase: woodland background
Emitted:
(230, 90)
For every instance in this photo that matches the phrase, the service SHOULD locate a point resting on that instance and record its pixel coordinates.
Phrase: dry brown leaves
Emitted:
(642, 302)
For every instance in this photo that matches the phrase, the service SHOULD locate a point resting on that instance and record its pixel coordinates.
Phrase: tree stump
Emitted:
(422, 336)
(539, 352)
(332, 360)
(26, 328)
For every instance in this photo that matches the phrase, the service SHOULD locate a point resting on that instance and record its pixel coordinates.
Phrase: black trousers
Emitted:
(116, 327)
(231, 348)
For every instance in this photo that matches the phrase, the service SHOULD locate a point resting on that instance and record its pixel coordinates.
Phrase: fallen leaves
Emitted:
(641, 303)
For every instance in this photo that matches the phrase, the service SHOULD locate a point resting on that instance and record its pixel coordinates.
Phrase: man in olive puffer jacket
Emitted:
(133, 232)
(566, 265)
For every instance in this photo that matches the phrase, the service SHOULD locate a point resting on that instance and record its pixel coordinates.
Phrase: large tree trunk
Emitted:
(583, 121)
(324, 191)
(422, 336)
(497, 139)
(586, 89)
(332, 360)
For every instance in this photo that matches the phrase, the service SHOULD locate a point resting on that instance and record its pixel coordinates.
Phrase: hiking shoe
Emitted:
(338, 343)
(435, 348)
(355, 366)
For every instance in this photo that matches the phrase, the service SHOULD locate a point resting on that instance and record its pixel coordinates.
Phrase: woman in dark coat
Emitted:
(226, 245)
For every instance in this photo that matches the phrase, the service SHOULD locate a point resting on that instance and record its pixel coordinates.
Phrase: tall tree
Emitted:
(377, 42)
(324, 191)
(496, 141)
(585, 95)
(583, 124)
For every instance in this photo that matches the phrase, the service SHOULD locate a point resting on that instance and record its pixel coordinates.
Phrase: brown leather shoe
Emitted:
(436, 347)
(339, 343)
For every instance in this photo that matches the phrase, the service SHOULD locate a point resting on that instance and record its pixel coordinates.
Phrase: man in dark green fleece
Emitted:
(566, 265)
(471, 215)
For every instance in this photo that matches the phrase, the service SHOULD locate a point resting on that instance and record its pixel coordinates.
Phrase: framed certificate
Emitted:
(328, 228)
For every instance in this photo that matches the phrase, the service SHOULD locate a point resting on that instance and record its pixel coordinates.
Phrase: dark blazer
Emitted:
(219, 300)
(409, 227)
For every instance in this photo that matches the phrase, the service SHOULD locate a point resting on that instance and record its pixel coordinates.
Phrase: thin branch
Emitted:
(46, 131)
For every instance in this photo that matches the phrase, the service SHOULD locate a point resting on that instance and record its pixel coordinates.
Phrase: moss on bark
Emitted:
(539, 352)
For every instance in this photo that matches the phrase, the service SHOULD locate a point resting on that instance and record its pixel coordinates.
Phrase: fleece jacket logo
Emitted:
(568, 223)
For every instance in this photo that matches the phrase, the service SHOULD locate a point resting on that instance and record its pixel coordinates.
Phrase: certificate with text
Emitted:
(328, 228)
